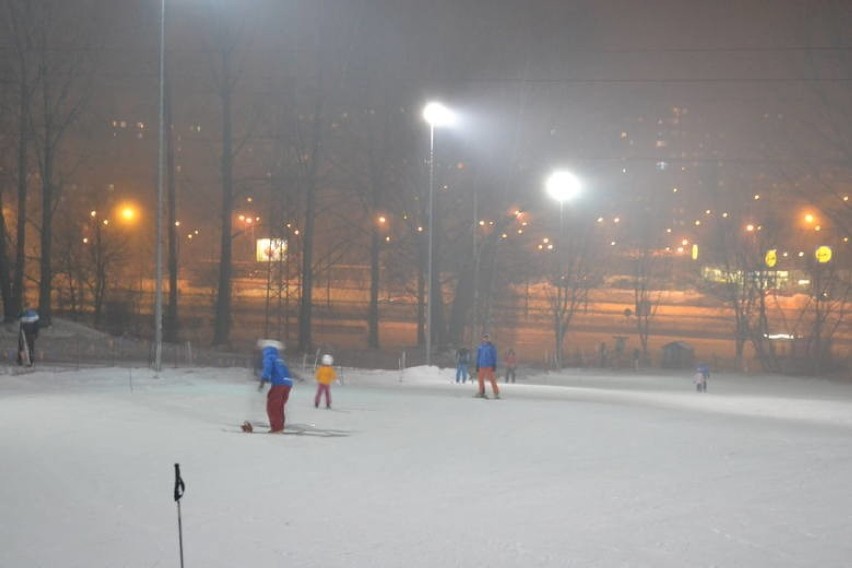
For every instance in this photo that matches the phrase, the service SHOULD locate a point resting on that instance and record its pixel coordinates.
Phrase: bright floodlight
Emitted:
(562, 186)
(437, 114)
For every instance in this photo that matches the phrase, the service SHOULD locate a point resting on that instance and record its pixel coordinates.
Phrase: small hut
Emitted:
(678, 355)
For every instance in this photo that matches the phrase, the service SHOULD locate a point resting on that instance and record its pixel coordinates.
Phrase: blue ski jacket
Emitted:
(274, 369)
(486, 356)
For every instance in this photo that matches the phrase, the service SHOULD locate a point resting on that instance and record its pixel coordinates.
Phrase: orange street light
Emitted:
(127, 213)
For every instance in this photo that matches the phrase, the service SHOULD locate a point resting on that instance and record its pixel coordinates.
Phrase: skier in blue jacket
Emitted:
(275, 372)
(486, 367)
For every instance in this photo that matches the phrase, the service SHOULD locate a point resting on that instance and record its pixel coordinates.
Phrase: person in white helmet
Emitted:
(275, 372)
(325, 376)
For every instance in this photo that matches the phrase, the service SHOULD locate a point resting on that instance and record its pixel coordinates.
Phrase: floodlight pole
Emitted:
(430, 294)
(158, 283)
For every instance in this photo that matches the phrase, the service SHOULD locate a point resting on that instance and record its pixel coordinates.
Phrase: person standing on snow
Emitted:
(462, 362)
(275, 371)
(511, 366)
(325, 376)
(486, 366)
(702, 374)
(27, 336)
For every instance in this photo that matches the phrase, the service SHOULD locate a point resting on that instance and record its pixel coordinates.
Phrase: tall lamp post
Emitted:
(436, 115)
(158, 284)
(562, 186)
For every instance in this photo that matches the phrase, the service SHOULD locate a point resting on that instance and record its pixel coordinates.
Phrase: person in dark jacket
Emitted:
(486, 367)
(462, 362)
(27, 336)
(511, 366)
(276, 373)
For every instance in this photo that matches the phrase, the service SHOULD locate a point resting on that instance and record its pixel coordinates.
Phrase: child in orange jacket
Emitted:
(325, 376)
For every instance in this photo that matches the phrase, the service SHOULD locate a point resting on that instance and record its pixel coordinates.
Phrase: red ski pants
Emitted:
(487, 374)
(276, 398)
(321, 388)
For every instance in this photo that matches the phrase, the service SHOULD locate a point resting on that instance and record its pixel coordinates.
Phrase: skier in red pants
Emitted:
(486, 366)
(275, 371)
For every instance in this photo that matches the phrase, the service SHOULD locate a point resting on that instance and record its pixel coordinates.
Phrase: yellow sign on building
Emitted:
(823, 254)
(271, 250)
(771, 258)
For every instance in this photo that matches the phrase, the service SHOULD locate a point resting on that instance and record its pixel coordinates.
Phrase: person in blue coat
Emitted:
(274, 371)
(486, 366)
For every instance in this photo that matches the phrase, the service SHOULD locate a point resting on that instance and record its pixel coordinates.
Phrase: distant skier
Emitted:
(275, 371)
(702, 375)
(486, 366)
(27, 336)
(325, 376)
(462, 364)
(511, 366)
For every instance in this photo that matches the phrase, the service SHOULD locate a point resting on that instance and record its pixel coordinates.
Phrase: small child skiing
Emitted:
(325, 376)
(702, 374)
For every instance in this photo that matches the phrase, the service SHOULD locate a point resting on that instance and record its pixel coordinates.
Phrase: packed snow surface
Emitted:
(409, 470)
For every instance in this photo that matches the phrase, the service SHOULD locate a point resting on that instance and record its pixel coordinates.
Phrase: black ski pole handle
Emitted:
(179, 485)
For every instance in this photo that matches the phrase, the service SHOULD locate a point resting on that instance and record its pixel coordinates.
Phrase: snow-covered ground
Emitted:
(573, 469)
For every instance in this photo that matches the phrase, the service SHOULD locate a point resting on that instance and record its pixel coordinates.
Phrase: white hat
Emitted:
(327, 359)
(264, 343)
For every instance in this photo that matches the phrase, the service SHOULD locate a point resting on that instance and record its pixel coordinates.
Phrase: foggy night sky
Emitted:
(538, 84)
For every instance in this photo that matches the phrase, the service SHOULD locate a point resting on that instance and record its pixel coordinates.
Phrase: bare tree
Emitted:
(226, 79)
(228, 36)
(331, 43)
(62, 63)
(648, 275)
(21, 22)
(91, 253)
(171, 324)
(573, 272)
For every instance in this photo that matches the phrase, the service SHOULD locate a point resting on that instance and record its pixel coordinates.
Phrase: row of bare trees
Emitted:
(50, 58)
(336, 142)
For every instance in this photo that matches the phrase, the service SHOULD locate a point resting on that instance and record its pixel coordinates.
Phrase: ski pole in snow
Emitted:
(179, 489)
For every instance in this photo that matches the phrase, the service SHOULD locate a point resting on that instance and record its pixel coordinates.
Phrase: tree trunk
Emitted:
(23, 173)
(5, 271)
(222, 330)
(45, 272)
(306, 305)
(462, 303)
(375, 274)
(171, 320)
(421, 295)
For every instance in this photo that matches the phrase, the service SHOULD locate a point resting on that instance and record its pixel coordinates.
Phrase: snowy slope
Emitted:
(567, 470)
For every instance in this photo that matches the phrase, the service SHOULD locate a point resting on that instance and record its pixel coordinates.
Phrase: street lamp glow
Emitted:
(438, 115)
(563, 186)
(128, 214)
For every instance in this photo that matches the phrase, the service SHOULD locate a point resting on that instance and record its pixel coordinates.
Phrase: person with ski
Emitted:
(462, 363)
(511, 365)
(276, 373)
(27, 335)
(325, 376)
(486, 367)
